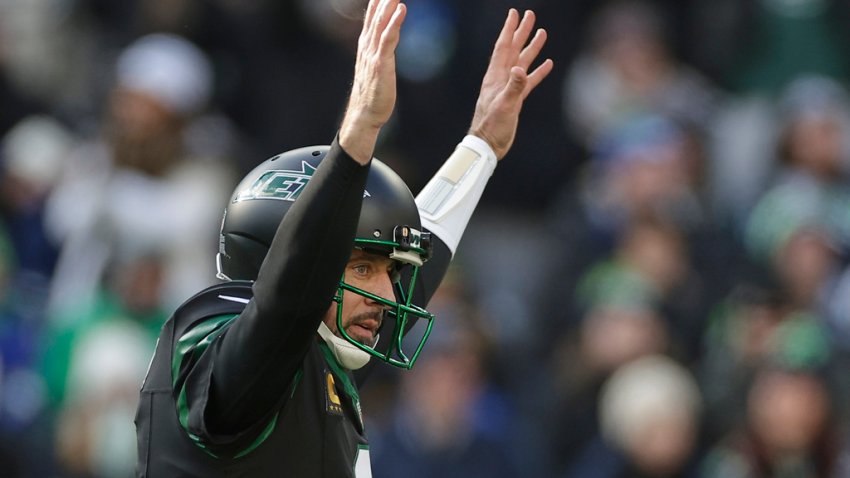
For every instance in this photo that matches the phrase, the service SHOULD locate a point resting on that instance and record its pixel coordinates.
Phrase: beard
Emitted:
(361, 318)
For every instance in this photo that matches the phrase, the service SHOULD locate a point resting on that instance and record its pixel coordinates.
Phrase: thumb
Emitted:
(517, 82)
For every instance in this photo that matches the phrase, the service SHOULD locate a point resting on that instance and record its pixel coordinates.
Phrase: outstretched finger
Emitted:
(370, 11)
(367, 33)
(503, 42)
(536, 76)
(391, 35)
(521, 34)
(382, 17)
(530, 52)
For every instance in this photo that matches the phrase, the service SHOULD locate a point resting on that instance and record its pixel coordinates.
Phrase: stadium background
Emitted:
(655, 284)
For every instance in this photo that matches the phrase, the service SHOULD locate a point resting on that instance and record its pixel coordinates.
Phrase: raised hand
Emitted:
(507, 82)
(373, 92)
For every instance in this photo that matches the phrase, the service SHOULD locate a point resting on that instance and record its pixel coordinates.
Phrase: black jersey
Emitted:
(317, 432)
(240, 383)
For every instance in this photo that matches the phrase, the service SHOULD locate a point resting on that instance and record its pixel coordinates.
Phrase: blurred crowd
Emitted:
(656, 283)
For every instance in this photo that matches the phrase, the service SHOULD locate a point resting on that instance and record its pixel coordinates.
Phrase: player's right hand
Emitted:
(373, 92)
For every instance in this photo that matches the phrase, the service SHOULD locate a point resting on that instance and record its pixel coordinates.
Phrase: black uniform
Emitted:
(240, 383)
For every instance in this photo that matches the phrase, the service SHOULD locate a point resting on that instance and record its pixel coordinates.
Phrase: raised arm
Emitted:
(252, 364)
(450, 197)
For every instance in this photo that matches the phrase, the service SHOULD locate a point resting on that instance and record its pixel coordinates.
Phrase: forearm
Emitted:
(447, 202)
(358, 136)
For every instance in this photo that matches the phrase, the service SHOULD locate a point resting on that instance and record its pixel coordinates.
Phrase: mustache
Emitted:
(376, 316)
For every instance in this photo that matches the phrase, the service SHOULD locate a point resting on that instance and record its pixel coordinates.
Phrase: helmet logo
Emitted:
(283, 185)
(278, 184)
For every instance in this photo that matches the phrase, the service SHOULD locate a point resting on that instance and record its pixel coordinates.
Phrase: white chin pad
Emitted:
(346, 353)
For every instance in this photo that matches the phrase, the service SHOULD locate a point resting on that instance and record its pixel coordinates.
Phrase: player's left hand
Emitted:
(507, 81)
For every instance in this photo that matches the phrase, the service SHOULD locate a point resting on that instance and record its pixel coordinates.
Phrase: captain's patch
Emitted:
(334, 405)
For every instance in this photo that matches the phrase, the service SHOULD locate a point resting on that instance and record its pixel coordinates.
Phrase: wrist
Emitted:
(481, 143)
(358, 140)
(480, 146)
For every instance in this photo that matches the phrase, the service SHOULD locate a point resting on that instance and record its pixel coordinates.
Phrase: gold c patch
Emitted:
(334, 405)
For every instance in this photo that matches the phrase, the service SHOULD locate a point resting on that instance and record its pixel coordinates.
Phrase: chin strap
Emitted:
(349, 356)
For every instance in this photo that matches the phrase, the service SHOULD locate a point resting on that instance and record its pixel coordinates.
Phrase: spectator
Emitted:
(149, 178)
(812, 186)
(628, 70)
(649, 414)
(32, 156)
(790, 424)
(95, 361)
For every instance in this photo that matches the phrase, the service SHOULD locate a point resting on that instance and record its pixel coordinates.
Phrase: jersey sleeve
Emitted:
(246, 368)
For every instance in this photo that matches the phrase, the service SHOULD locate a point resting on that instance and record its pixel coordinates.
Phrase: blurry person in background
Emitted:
(815, 121)
(800, 228)
(610, 335)
(791, 427)
(649, 412)
(156, 174)
(738, 340)
(622, 306)
(643, 170)
(94, 360)
(652, 265)
(31, 164)
(813, 161)
(758, 51)
(635, 233)
(807, 265)
(627, 70)
(644, 298)
(643, 167)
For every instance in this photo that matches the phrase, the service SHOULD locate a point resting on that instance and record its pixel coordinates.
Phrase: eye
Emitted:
(360, 269)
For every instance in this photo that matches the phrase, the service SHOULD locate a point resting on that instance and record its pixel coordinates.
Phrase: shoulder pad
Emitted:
(220, 299)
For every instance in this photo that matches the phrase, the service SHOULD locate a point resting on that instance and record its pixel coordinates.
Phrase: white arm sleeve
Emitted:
(448, 200)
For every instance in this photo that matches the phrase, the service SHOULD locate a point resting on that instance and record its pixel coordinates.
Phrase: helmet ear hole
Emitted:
(250, 253)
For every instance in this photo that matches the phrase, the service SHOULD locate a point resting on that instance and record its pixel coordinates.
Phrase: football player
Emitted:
(328, 260)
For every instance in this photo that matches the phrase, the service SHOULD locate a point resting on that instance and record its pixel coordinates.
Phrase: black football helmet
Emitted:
(389, 225)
